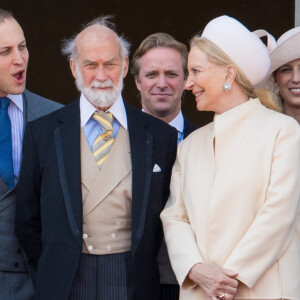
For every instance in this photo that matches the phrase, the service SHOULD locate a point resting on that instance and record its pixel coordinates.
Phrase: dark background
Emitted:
(47, 23)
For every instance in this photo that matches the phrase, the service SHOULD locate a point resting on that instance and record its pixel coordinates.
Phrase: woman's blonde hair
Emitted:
(217, 56)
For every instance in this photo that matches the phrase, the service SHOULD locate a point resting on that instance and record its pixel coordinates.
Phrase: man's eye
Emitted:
(172, 75)
(110, 65)
(4, 52)
(150, 75)
(90, 66)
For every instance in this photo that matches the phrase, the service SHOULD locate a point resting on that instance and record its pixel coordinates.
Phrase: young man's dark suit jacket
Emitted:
(11, 255)
(49, 208)
(189, 127)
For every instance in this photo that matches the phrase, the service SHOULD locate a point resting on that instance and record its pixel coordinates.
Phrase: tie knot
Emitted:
(4, 103)
(105, 120)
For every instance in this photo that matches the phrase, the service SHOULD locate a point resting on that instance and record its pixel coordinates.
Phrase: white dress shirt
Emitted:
(91, 127)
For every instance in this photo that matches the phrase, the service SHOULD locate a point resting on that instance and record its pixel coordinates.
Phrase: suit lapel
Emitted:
(141, 160)
(67, 145)
(28, 113)
(188, 127)
(25, 111)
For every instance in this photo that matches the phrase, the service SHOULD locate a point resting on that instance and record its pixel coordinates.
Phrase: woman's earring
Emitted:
(227, 87)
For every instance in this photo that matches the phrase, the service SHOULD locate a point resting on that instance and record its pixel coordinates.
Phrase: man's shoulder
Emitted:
(158, 126)
(189, 127)
(38, 106)
(32, 97)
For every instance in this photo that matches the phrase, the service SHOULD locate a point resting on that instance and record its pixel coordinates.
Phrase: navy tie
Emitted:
(6, 160)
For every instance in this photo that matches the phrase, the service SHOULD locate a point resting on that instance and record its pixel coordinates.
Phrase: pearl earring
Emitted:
(227, 87)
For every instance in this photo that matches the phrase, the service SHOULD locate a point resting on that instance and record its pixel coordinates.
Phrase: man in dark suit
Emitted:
(94, 182)
(17, 107)
(159, 66)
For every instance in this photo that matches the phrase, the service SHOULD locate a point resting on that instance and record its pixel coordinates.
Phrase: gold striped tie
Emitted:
(105, 139)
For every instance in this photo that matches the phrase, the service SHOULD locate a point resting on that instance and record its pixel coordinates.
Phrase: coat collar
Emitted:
(67, 142)
(141, 142)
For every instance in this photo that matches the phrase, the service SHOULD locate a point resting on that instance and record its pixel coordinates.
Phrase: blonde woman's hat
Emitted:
(244, 47)
(287, 49)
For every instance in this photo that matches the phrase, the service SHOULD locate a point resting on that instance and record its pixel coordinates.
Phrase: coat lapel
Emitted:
(89, 168)
(141, 159)
(67, 145)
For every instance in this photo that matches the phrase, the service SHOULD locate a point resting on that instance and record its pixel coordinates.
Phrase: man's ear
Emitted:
(125, 67)
(73, 67)
(138, 84)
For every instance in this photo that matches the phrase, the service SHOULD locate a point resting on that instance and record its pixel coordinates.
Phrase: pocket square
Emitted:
(156, 168)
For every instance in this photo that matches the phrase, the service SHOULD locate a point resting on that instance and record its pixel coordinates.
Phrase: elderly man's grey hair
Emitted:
(69, 45)
(4, 14)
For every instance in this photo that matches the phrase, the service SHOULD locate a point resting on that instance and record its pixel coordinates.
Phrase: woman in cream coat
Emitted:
(231, 220)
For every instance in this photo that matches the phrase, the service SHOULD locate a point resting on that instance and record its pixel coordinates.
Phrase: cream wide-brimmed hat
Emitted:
(287, 49)
(244, 47)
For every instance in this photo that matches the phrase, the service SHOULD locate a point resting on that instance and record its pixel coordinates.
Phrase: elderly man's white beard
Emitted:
(96, 97)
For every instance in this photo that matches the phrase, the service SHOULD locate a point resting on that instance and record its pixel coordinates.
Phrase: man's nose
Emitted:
(162, 81)
(101, 74)
(17, 57)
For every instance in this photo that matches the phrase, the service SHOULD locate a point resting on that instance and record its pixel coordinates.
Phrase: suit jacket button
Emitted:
(16, 265)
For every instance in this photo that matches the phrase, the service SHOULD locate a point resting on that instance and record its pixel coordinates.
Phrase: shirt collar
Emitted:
(17, 100)
(178, 122)
(117, 109)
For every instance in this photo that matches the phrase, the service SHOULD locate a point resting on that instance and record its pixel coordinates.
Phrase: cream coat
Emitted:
(234, 203)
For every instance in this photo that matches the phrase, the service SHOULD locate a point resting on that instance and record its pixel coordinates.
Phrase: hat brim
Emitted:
(287, 51)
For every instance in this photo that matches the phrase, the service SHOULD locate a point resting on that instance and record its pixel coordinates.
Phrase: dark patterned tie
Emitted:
(6, 159)
(105, 139)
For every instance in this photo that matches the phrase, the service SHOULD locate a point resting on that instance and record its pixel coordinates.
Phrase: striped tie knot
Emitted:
(105, 139)
(105, 120)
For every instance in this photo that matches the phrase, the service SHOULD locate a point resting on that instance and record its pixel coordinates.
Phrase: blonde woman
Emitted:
(285, 71)
(231, 218)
